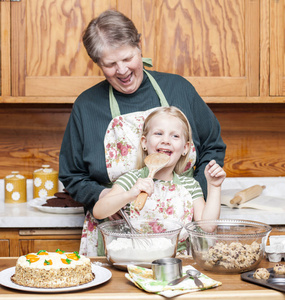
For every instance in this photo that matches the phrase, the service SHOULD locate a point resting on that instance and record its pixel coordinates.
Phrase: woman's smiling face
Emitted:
(166, 134)
(123, 68)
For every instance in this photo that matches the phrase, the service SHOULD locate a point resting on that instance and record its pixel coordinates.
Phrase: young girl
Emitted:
(170, 194)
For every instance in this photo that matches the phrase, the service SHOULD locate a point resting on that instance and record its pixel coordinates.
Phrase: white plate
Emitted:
(101, 275)
(38, 202)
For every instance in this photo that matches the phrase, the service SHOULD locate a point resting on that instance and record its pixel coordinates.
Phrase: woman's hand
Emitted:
(214, 174)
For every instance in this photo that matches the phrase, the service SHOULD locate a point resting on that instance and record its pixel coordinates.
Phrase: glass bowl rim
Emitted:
(140, 235)
(267, 228)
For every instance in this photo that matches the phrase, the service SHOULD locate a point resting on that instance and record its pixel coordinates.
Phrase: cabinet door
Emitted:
(277, 48)
(4, 248)
(48, 56)
(214, 44)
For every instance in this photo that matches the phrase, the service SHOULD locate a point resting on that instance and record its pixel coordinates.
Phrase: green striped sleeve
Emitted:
(128, 180)
(192, 186)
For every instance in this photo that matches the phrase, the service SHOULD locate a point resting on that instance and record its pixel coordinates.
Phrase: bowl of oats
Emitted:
(228, 246)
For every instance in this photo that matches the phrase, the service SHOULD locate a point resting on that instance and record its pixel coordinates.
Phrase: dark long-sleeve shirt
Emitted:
(82, 166)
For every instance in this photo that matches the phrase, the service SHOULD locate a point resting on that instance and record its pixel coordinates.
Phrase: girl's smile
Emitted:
(166, 135)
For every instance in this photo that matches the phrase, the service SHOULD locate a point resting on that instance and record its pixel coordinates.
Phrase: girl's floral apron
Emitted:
(121, 144)
(170, 200)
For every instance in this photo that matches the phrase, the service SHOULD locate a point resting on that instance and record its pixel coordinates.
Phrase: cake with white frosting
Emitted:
(52, 269)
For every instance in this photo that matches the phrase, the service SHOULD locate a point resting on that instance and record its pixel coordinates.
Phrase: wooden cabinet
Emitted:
(16, 242)
(47, 54)
(232, 51)
(214, 44)
(4, 248)
(277, 48)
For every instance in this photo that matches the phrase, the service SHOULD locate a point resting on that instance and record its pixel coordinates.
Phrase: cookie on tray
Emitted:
(261, 273)
(279, 269)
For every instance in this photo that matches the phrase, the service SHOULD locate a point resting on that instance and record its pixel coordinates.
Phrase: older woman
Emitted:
(102, 136)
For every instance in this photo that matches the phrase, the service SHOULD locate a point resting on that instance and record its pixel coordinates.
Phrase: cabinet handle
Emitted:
(26, 232)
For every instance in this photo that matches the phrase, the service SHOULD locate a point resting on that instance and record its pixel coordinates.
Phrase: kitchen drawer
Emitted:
(28, 246)
(16, 242)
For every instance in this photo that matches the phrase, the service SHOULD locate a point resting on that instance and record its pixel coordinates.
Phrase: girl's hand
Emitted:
(142, 185)
(214, 174)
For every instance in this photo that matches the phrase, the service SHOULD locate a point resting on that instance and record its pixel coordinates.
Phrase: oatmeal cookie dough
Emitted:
(233, 256)
(279, 269)
(261, 273)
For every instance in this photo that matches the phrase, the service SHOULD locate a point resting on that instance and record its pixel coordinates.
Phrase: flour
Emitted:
(122, 250)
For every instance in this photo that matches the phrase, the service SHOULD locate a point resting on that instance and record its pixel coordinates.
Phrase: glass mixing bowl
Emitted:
(157, 239)
(228, 246)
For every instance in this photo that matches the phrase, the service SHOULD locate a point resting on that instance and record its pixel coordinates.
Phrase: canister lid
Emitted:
(15, 175)
(45, 169)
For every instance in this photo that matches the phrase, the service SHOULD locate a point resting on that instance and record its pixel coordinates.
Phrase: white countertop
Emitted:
(23, 216)
(275, 187)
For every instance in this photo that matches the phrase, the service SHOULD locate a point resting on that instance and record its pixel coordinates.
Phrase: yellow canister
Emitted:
(15, 188)
(45, 182)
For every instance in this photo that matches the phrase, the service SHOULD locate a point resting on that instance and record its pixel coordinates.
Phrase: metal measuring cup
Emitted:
(166, 269)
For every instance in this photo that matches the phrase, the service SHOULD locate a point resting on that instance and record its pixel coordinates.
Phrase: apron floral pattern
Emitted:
(169, 201)
(89, 237)
(121, 142)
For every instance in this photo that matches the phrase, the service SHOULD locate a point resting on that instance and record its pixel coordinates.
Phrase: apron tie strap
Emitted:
(114, 106)
(147, 62)
(158, 90)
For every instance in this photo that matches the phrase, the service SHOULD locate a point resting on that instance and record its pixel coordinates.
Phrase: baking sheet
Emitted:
(279, 286)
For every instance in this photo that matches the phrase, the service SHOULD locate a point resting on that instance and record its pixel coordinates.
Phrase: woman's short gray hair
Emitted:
(110, 28)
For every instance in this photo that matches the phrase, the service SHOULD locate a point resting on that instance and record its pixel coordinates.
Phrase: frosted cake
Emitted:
(52, 269)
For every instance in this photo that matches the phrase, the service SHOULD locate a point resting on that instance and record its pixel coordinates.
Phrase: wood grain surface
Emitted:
(213, 44)
(118, 287)
(31, 135)
(254, 135)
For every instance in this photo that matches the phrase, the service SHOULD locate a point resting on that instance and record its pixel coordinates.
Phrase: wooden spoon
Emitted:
(154, 162)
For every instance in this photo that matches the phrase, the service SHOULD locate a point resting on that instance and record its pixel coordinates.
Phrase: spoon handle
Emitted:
(198, 282)
(141, 198)
(178, 280)
(140, 201)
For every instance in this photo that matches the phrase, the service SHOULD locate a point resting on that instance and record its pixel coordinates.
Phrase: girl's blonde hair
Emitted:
(174, 112)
